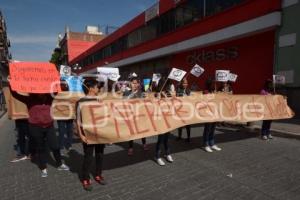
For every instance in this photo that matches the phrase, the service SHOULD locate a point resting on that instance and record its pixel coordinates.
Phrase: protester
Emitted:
(162, 138)
(41, 128)
(209, 128)
(25, 150)
(226, 88)
(266, 125)
(134, 92)
(65, 127)
(91, 90)
(184, 90)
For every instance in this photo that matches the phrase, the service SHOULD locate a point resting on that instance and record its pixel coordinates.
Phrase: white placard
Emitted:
(222, 75)
(279, 79)
(109, 73)
(177, 74)
(156, 78)
(233, 77)
(197, 71)
(65, 70)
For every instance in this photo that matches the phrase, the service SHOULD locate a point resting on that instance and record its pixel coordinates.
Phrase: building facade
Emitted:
(5, 56)
(250, 38)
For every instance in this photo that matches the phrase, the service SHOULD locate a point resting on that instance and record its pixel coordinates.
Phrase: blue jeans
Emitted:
(266, 126)
(163, 138)
(65, 127)
(209, 134)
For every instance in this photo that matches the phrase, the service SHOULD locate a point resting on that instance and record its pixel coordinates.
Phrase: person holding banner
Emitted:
(209, 128)
(134, 92)
(91, 90)
(266, 125)
(226, 88)
(162, 138)
(41, 128)
(184, 90)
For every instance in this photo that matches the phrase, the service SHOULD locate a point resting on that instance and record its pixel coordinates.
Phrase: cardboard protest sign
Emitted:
(34, 77)
(15, 108)
(177, 74)
(197, 71)
(74, 83)
(65, 70)
(279, 79)
(222, 75)
(232, 77)
(109, 73)
(111, 121)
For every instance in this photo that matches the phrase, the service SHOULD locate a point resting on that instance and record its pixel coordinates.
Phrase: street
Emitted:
(246, 168)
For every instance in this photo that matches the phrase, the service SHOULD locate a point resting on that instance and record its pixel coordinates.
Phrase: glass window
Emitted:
(215, 6)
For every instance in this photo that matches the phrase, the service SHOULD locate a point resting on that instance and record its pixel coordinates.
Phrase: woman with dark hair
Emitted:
(133, 93)
(184, 90)
(41, 128)
(209, 128)
(266, 125)
(91, 90)
(162, 138)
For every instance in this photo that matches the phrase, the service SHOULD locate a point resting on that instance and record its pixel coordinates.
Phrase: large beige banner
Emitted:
(111, 119)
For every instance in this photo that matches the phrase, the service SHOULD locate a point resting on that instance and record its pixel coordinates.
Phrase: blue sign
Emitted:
(74, 83)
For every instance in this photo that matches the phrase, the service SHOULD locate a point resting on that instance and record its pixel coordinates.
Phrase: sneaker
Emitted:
(160, 162)
(44, 173)
(87, 185)
(215, 147)
(169, 158)
(264, 137)
(100, 180)
(63, 167)
(18, 159)
(208, 149)
(130, 152)
(146, 147)
(270, 137)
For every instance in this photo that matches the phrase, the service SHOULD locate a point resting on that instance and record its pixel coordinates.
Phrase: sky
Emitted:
(33, 25)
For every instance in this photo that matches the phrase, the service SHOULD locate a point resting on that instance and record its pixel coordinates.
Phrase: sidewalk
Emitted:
(289, 128)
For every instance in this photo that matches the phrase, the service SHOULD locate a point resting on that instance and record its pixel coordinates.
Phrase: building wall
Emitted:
(287, 53)
(252, 58)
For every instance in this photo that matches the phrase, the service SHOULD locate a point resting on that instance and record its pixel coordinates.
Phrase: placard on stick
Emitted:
(34, 77)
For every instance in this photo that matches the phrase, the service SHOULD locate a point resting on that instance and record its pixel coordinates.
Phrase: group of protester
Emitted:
(39, 128)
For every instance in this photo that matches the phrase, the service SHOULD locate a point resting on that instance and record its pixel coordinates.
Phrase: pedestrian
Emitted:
(91, 90)
(133, 93)
(162, 138)
(184, 90)
(266, 125)
(41, 128)
(209, 128)
(226, 88)
(65, 127)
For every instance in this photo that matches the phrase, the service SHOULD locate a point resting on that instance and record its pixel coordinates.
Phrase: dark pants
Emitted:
(164, 138)
(130, 143)
(65, 127)
(188, 131)
(88, 159)
(41, 137)
(209, 134)
(266, 126)
(24, 145)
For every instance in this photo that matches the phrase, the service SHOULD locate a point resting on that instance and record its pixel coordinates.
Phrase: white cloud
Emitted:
(30, 39)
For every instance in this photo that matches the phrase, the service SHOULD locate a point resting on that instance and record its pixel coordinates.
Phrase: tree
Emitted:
(56, 57)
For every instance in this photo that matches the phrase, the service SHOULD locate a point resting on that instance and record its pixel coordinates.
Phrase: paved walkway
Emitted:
(246, 168)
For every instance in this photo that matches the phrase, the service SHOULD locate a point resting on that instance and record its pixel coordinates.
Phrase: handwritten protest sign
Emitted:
(74, 83)
(112, 119)
(279, 79)
(34, 77)
(109, 73)
(65, 70)
(232, 77)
